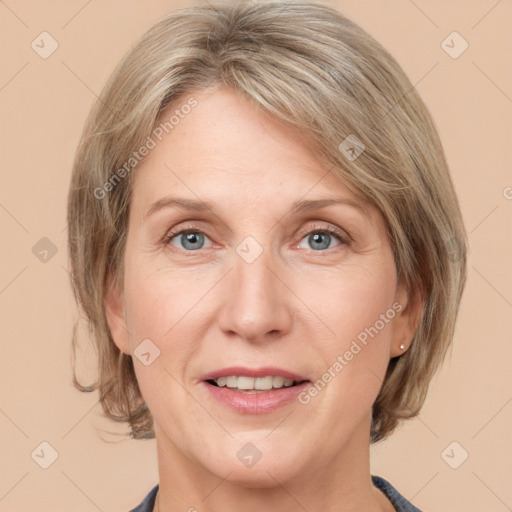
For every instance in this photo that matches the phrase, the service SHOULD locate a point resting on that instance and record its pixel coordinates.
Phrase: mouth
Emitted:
(253, 390)
(254, 385)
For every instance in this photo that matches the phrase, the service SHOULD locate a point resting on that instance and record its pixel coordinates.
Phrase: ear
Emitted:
(408, 306)
(116, 318)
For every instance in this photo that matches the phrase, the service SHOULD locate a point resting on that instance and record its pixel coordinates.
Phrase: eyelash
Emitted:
(344, 238)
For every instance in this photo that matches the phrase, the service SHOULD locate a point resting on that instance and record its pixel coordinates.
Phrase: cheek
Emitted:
(353, 300)
(156, 310)
(164, 306)
(158, 299)
(357, 306)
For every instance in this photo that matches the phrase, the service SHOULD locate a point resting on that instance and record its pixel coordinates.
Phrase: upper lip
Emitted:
(273, 371)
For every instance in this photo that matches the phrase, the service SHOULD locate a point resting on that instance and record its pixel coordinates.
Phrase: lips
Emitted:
(240, 371)
(253, 402)
(247, 390)
(253, 383)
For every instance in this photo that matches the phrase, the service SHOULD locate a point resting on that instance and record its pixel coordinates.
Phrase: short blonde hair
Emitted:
(312, 67)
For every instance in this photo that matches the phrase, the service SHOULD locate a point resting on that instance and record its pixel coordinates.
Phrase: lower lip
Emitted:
(255, 403)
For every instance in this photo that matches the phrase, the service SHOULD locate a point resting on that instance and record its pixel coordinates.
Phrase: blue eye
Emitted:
(319, 238)
(190, 240)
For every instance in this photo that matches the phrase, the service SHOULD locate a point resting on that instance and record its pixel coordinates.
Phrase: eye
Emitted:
(321, 238)
(190, 239)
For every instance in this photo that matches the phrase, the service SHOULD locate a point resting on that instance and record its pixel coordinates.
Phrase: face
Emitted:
(247, 257)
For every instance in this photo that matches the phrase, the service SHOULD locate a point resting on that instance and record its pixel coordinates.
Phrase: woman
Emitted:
(261, 233)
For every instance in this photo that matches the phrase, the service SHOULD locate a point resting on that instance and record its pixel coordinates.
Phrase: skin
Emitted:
(298, 306)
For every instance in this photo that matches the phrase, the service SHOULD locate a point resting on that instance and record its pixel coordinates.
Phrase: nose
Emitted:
(257, 305)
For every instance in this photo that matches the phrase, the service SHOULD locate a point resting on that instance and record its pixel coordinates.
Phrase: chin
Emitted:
(259, 476)
(256, 465)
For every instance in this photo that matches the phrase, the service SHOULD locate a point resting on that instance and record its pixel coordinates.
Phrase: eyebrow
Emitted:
(296, 207)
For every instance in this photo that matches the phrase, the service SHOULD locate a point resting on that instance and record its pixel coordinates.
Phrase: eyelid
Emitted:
(342, 235)
(173, 232)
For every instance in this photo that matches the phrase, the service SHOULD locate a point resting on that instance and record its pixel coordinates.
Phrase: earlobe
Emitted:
(406, 321)
(114, 312)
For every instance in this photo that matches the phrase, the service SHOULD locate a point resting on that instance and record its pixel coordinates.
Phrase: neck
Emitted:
(342, 483)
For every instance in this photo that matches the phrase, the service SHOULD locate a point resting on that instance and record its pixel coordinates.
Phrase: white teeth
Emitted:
(251, 383)
(221, 381)
(231, 382)
(263, 383)
(277, 382)
(245, 383)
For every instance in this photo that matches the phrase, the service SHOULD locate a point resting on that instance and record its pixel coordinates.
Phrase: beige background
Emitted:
(44, 103)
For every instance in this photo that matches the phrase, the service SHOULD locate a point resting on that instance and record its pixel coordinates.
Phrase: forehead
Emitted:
(227, 148)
